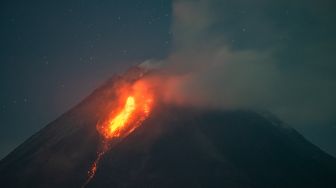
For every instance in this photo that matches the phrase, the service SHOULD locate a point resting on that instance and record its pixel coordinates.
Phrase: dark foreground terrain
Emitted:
(175, 147)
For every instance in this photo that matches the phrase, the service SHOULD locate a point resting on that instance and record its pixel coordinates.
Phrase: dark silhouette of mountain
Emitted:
(175, 147)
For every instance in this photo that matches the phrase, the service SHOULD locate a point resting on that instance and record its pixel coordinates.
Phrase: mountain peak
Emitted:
(174, 147)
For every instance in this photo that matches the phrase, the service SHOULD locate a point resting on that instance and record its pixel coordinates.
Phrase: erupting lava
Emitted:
(120, 120)
(135, 104)
(134, 108)
(114, 127)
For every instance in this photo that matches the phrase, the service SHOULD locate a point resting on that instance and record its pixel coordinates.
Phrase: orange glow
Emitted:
(93, 169)
(131, 107)
(117, 123)
(135, 104)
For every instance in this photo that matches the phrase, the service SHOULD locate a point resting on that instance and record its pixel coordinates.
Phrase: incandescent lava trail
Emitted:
(134, 106)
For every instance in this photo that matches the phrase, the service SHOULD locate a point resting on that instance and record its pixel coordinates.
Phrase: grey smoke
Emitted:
(264, 55)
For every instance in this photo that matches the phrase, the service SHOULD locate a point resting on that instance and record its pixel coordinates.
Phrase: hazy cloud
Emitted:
(275, 56)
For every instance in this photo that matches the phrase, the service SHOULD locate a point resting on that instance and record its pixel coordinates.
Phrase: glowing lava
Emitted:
(135, 105)
(117, 124)
(135, 109)
(94, 166)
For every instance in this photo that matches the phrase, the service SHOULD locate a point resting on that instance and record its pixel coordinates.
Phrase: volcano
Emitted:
(175, 146)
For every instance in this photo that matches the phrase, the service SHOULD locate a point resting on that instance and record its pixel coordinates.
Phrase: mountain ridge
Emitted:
(177, 146)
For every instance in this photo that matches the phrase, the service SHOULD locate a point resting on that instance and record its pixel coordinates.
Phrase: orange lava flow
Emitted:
(134, 106)
(116, 125)
(94, 166)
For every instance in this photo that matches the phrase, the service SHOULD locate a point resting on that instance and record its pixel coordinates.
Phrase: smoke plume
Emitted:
(243, 54)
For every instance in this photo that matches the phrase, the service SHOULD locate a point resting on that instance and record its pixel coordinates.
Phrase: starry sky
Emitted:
(54, 53)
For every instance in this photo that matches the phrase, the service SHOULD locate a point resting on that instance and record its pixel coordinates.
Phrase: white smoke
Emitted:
(221, 74)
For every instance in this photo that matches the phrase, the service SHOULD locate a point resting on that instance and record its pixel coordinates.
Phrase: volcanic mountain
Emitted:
(175, 146)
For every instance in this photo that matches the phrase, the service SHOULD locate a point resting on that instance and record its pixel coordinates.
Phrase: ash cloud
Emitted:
(262, 55)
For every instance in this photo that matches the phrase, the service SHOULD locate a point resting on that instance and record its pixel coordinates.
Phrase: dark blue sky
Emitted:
(54, 53)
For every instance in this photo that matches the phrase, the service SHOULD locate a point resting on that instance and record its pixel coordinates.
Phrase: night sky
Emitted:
(54, 53)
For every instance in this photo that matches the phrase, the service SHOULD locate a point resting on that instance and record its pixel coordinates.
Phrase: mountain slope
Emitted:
(175, 147)
(190, 148)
